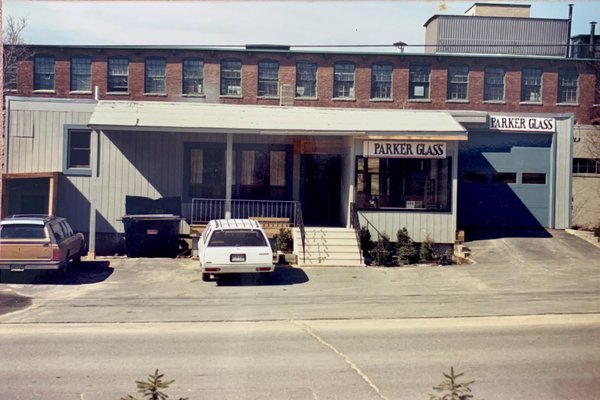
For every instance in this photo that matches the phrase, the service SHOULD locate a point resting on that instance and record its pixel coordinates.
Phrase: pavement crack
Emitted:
(346, 359)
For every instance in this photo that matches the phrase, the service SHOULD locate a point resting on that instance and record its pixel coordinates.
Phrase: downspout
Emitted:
(568, 52)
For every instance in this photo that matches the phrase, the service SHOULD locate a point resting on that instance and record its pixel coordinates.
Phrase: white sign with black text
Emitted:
(521, 124)
(404, 149)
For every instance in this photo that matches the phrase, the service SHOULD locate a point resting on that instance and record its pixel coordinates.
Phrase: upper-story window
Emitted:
(193, 76)
(531, 84)
(493, 85)
(231, 78)
(567, 85)
(77, 150)
(458, 82)
(81, 74)
(381, 81)
(268, 79)
(118, 74)
(306, 79)
(155, 75)
(43, 71)
(343, 80)
(418, 87)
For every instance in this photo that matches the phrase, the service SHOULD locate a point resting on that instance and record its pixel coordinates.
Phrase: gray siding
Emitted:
(564, 167)
(495, 35)
(35, 142)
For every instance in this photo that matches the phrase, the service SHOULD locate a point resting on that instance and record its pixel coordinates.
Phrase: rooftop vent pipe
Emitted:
(593, 39)
(568, 52)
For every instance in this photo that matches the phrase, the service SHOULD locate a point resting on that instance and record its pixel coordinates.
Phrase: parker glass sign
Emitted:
(404, 149)
(522, 124)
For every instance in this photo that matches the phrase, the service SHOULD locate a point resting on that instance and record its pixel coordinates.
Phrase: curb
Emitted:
(585, 235)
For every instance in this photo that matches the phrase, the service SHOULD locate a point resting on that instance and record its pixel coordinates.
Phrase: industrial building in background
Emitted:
(493, 126)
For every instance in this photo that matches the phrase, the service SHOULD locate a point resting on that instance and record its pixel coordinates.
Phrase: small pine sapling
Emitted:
(426, 251)
(406, 247)
(450, 389)
(151, 388)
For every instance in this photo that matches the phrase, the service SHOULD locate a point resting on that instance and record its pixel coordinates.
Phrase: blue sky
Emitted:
(241, 22)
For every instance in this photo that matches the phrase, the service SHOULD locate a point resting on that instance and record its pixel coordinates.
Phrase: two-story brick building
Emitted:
(431, 142)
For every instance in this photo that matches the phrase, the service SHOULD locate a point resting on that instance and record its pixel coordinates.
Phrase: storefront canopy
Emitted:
(273, 120)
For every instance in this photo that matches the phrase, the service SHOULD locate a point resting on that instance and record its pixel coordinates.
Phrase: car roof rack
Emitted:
(45, 217)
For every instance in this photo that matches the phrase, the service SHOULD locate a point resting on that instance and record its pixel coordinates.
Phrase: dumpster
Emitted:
(152, 226)
(152, 235)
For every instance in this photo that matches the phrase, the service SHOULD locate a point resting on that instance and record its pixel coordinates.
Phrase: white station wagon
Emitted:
(234, 246)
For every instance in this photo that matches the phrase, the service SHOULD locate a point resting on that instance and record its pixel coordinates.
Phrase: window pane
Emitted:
(504, 177)
(405, 183)
(381, 81)
(529, 178)
(79, 149)
(193, 76)
(474, 177)
(22, 231)
(531, 84)
(277, 168)
(343, 80)
(419, 81)
(458, 80)
(207, 173)
(567, 85)
(81, 73)
(268, 78)
(155, 74)
(306, 80)
(231, 78)
(493, 84)
(43, 73)
(118, 74)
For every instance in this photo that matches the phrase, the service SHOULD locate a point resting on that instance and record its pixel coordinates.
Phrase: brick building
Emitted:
(432, 142)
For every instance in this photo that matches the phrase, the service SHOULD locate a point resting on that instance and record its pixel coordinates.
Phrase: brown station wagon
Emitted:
(36, 242)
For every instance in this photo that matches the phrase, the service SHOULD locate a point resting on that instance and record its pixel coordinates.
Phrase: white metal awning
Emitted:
(273, 120)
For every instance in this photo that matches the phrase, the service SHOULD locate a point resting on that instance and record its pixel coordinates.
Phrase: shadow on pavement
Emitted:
(86, 272)
(11, 302)
(475, 234)
(282, 276)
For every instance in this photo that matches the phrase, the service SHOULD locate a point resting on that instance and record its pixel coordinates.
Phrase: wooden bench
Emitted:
(272, 225)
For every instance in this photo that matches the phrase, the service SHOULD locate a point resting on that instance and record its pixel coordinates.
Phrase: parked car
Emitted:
(234, 246)
(39, 242)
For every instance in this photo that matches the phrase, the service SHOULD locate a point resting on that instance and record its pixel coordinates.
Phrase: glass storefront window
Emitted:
(403, 183)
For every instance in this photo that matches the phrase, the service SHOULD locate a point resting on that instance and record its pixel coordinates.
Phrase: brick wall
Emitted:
(325, 62)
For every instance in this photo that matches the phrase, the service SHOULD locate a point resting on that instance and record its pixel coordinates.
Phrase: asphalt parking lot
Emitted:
(518, 274)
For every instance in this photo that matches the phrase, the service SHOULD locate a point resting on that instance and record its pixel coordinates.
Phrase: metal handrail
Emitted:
(203, 209)
(300, 222)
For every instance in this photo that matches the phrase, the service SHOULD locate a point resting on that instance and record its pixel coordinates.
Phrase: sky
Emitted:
(214, 23)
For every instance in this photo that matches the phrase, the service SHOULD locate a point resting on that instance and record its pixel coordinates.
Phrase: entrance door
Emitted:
(321, 189)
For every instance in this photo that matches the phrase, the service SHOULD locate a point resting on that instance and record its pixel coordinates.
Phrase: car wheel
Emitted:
(205, 277)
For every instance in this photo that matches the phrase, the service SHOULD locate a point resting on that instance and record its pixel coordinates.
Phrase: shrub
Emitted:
(150, 389)
(366, 244)
(596, 229)
(450, 389)
(284, 240)
(445, 258)
(382, 253)
(426, 251)
(406, 247)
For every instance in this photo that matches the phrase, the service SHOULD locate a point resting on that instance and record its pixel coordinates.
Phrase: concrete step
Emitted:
(326, 246)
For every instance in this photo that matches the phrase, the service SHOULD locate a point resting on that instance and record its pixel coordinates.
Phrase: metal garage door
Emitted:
(505, 180)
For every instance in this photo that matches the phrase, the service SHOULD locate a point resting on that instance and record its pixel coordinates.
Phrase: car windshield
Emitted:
(22, 231)
(237, 238)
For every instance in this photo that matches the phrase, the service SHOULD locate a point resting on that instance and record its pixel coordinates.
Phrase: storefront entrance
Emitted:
(320, 189)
